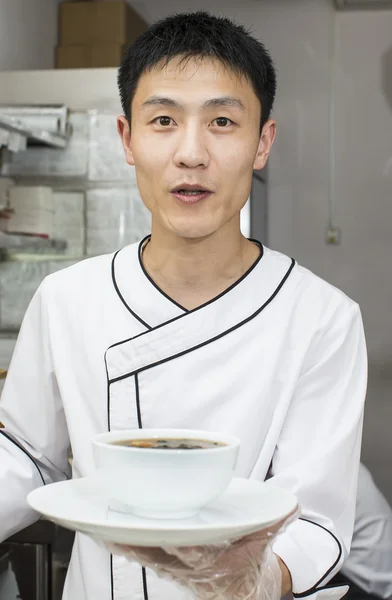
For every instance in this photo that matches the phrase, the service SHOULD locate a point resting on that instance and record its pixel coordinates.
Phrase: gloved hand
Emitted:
(243, 569)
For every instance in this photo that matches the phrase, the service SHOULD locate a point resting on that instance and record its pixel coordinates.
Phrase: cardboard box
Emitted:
(91, 23)
(89, 56)
(67, 1)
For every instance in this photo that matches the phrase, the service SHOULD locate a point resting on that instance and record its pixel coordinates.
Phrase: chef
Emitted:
(195, 326)
(368, 569)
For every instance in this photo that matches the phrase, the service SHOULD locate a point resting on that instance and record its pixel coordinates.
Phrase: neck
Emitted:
(193, 271)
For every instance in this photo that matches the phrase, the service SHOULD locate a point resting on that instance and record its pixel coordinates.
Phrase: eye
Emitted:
(163, 121)
(223, 122)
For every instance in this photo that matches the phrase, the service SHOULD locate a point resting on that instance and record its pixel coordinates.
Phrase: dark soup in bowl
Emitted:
(170, 444)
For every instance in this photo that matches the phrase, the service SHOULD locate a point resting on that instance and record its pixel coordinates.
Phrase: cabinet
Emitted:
(34, 562)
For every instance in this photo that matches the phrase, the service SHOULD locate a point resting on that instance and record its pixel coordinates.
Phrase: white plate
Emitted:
(81, 505)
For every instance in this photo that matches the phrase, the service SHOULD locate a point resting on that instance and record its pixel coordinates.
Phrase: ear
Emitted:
(267, 138)
(124, 132)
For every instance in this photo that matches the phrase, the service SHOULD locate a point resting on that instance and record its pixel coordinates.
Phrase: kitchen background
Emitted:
(327, 199)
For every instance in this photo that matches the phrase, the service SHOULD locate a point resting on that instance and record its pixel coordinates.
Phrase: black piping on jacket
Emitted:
(26, 452)
(315, 587)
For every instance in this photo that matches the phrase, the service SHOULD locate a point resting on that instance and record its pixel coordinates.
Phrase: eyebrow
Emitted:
(229, 101)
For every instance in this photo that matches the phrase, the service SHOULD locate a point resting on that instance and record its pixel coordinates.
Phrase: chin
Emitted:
(194, 233)
(192, 230)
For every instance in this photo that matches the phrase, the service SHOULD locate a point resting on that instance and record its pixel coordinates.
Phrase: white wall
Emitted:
(364, 191)
(28, 34)
(299, 35)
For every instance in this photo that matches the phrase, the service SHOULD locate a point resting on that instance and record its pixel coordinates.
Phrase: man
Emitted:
(368, 569)
(194, 327)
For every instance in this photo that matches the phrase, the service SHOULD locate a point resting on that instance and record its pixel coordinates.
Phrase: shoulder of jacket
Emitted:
(315, 291)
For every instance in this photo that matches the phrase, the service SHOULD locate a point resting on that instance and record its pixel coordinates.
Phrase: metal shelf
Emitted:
(22, 126)
(14, 244)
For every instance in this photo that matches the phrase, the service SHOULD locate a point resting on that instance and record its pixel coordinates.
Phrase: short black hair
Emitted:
(199, 35)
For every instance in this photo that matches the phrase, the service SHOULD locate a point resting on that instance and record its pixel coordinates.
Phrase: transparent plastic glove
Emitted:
(242, 569)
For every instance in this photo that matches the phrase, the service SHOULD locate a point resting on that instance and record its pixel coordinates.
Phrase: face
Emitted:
(194, 142)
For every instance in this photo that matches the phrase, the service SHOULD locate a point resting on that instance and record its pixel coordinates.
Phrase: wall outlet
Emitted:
(333, 236)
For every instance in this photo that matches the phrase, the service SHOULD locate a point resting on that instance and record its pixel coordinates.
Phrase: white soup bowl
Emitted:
(164, 483)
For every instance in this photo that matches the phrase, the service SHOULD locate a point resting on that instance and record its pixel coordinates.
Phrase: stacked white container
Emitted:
(33, 208)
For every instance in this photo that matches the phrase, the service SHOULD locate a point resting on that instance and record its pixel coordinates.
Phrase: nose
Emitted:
(191, 150)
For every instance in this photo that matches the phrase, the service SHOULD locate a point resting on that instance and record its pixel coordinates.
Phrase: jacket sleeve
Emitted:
(33, 432)
(317, 455)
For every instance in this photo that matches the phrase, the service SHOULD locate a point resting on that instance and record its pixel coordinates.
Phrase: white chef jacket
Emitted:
(369, 564)
(277, 360)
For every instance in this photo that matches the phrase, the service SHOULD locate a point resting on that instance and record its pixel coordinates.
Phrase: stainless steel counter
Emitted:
(4, 560)
(39, 558)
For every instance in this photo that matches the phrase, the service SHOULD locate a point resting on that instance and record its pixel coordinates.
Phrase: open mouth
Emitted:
(190, 194)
